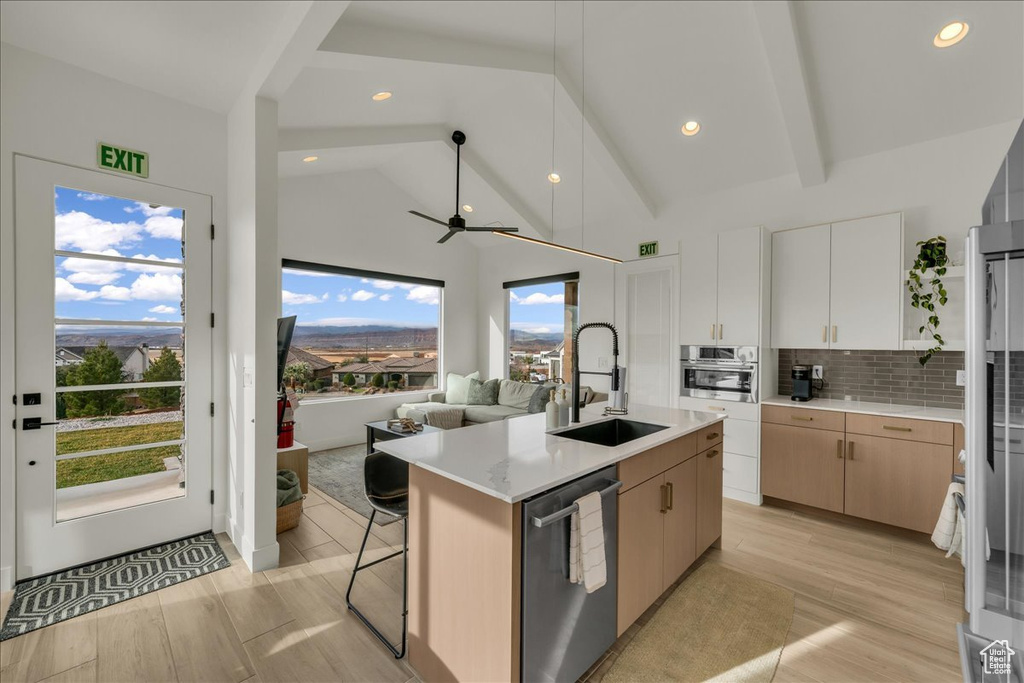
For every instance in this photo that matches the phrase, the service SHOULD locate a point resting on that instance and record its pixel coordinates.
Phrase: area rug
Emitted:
(718, 625)
(338, 472)
(61, 596)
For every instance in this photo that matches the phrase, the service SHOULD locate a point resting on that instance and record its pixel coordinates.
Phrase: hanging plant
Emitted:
(927, 291)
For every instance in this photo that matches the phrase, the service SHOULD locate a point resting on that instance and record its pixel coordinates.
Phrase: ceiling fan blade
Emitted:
(495, 229)
(429, 218)
(448, 236)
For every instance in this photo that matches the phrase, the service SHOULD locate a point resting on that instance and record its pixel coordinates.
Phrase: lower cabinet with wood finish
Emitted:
(665, 522)
(886, 469)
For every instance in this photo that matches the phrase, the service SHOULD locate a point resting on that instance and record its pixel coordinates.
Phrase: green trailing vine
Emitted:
(926, 294)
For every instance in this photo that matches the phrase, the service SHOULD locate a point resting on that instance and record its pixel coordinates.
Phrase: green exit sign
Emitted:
(648, 249)
(122, 160)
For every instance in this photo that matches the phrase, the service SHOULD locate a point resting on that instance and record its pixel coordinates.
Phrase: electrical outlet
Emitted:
(818, 372)
(961, 378)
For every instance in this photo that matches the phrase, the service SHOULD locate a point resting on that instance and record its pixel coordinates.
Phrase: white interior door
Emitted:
(647, 295)
(113, 351)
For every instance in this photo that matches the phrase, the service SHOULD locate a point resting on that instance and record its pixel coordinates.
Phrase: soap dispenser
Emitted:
(551, 411)
(563, 409)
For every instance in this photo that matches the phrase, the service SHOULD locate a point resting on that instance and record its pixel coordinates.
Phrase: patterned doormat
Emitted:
(57, 597)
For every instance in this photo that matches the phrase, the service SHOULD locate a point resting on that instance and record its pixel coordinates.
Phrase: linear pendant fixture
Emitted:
(558, 246)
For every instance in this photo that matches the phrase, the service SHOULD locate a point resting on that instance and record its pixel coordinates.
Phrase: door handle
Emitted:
(849, 450)
(824, 334)
(720, 332)
(712, 330)
(664, 499)
(839, 448)
(801, 418)
(671, 495)
(897, 429)
(30, 423)
(712, 436)
(712, 453)
(835, 333)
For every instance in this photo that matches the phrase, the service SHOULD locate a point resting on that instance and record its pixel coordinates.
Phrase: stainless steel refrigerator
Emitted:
(994, 486)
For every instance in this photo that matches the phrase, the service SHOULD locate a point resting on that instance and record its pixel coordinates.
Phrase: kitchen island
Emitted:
(466, 490)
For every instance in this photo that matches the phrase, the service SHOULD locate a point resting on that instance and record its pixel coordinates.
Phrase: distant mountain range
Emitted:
(122, 337)
(358, 336)
(533, 338)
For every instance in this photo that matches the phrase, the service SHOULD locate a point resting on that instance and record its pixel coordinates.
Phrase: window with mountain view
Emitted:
(359, 333)
(542, 314)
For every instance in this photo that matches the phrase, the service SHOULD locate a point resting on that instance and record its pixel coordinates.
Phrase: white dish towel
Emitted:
(586, 544)
(950, 530)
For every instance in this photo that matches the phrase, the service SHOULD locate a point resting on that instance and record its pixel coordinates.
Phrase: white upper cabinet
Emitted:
(839, 286)
(698, 289)
(867, 283)
(800, 288)
(720, 288)
(739, 287)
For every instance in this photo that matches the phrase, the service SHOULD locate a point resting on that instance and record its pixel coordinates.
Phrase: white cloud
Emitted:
(156, 287)
(113, 293)
(538, 298)
(537, 327)
(86, 278)
(342, 298)
(538, 330)
(422, 294)
(149, 320)
(92, 197)
(387, 284)
(385, 297)
(164, 227)
(146, 268)
(78, 230)
(293, 299)
(363, 295)
(164, 310)
(148, 210)
(65, 291)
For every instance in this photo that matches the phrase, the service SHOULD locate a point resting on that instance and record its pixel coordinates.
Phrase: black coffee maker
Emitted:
(802, 390)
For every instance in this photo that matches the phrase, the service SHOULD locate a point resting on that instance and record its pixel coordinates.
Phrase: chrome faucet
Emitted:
(617, 374)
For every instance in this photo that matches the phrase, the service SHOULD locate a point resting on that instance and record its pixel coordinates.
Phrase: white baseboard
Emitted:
(6, 579)
(742, 496)
(261, 559)
(220, 522)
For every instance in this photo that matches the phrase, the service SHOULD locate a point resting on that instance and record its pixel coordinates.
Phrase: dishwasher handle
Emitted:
(539, 522)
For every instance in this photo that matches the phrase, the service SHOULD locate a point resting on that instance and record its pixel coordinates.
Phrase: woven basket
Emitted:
(288, 516)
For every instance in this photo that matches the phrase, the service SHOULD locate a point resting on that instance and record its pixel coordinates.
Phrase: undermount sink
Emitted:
(613, 432)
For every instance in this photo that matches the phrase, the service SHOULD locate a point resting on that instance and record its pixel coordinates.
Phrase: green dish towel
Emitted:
(288, 490)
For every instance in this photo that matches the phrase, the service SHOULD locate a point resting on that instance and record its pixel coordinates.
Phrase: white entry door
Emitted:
(113, 357)
(646, 292)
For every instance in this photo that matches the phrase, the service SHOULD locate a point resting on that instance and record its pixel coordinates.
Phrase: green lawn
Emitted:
(98, 468)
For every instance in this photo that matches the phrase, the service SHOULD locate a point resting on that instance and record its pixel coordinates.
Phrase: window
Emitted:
(542, 314)
(360, 333)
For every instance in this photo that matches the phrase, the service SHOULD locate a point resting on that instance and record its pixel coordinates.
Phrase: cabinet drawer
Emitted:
(653, 462)
(925, 431)
(740, 472)
(741, 437)
(734, 409)
(709, 436)
(804, 417)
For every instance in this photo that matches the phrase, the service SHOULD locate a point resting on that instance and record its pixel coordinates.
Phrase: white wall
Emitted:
(358, 219)
(55, 111)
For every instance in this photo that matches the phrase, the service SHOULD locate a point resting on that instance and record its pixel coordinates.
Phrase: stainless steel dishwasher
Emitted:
(565, 629)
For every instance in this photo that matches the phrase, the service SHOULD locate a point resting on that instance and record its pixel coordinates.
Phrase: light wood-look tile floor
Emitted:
(872, 604)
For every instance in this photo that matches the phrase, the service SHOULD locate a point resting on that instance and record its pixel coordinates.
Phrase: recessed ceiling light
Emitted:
(310, 159)
(554, 178)
(951, 34)
(690, 128)
(467, 208)
(381, 96)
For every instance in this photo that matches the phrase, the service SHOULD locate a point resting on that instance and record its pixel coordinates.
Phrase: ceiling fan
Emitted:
(457, 223)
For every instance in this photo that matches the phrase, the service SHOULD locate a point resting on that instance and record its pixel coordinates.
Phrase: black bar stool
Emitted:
(386, 485)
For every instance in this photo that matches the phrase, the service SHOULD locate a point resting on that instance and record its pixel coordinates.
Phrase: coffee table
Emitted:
(378, 431)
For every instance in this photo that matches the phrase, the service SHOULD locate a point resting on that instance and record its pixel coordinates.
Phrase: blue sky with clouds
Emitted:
(109, 290)
(539, 309)
(343, 300)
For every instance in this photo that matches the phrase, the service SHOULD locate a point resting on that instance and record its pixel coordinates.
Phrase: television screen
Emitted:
(285, 328)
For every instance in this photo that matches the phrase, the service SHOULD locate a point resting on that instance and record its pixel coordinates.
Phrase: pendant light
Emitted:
(553, 175)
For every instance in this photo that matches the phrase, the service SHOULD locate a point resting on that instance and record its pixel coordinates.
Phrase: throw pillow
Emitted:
(540, 398)
(457, 389)
(482, 393)
(515, 394)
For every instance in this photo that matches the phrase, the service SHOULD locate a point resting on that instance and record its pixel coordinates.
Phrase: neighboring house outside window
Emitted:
(360, 333)
(542, 314)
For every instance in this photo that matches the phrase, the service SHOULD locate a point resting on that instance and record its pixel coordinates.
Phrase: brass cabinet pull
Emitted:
(664, 499)
(712, 330)
(839, 448)
(721, 327)
(824, 333)
(712, 435)
(849, 450)
(802, 419)
(716, 408)
(671, 495)
(835, 333)
(713, 452)
(897, 429)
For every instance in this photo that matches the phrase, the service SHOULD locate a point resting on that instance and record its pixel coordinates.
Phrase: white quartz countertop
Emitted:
(515, 459)
(868, 408)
